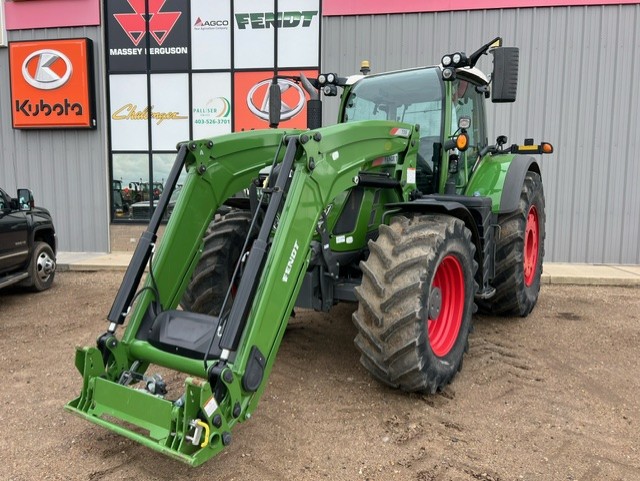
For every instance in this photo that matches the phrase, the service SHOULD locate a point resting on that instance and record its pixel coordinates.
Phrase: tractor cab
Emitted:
(423, 98)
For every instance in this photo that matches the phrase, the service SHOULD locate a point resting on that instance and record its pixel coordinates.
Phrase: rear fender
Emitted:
(501, 177)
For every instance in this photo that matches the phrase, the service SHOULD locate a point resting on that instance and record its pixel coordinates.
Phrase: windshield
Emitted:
(412, 96)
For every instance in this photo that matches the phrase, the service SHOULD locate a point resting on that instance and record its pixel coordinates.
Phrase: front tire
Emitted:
(519, 253)
(416, 302)
(212, 276)
(42, 268)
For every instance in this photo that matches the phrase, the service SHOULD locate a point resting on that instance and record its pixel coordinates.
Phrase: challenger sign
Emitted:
(51, 84)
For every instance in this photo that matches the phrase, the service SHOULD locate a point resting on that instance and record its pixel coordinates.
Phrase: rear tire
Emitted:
(211, 278)
(519, 253)
(416, 302)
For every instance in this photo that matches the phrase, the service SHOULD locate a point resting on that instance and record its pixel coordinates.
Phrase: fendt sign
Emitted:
(271, 20)
(51, 84)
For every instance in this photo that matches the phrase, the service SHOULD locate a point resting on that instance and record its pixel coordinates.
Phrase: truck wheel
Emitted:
(211, 277)
(42, 268)
(416, 302)
(519, 253)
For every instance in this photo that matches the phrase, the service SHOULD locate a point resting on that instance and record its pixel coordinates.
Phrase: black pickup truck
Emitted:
(27, 242)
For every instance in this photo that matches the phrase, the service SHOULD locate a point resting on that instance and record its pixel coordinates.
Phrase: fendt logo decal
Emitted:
(47, 69)
(258, 99)
(269, 20)
(135, 25)
(292, 258)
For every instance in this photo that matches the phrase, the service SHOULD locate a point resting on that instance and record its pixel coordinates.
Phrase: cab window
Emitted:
(467, 102)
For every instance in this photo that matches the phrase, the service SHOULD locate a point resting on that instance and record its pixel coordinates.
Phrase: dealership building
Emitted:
(94, 96)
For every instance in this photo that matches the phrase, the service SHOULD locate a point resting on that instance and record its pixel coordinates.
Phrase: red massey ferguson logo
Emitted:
(135, 25)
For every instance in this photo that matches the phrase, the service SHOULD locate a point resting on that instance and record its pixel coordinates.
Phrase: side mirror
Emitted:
(314, 104)
(504, 79)
(275, 103)
(25, 199)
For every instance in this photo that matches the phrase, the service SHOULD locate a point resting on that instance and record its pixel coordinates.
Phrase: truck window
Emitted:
(4, 201)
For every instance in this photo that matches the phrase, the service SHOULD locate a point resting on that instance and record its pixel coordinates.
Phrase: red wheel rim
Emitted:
(443, 330)
(531, 241)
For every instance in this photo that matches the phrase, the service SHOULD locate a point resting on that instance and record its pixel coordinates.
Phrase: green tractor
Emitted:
(403, 207)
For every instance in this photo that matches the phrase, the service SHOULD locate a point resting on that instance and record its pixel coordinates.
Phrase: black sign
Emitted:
(158, 29)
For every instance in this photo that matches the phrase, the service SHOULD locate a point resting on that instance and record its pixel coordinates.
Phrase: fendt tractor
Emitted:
(403, 207)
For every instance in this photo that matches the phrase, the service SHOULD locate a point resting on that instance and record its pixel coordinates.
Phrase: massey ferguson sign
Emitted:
(159, 28)
(51, 84)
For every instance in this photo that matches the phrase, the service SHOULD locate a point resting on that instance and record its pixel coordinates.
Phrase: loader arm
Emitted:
(229, 376)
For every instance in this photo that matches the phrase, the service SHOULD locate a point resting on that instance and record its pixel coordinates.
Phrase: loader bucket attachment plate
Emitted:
(160, 424)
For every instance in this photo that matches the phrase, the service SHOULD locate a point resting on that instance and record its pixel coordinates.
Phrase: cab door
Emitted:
(14, 241)
(468, 102)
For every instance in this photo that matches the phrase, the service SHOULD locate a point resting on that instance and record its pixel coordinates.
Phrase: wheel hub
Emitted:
(435, 302)
(446, 306)
(46, 266)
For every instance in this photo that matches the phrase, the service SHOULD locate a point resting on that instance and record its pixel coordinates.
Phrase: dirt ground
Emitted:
(554, 396)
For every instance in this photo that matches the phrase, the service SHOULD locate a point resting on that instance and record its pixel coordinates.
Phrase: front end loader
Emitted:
(402, 207)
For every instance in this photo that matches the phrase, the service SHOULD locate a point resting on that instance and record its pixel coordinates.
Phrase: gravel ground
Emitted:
(550, 397)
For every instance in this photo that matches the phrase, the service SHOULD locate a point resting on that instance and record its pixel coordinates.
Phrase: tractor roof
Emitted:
(473, 74)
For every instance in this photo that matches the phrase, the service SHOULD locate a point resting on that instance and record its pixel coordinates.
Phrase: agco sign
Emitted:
(51, 84)
(293, 99)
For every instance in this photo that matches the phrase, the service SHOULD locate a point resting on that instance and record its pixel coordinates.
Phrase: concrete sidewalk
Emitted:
(554, 272)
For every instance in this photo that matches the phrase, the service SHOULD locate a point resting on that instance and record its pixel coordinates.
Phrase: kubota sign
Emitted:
(51, 84)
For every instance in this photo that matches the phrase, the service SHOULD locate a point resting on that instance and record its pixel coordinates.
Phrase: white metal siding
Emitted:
(578, 89)
(66, 170)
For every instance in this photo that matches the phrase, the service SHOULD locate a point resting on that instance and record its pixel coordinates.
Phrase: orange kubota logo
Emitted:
(47, 69)
(51, 84)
